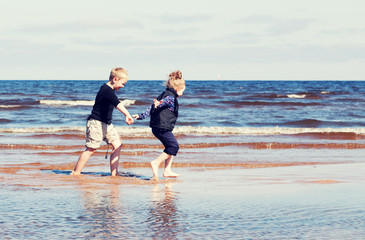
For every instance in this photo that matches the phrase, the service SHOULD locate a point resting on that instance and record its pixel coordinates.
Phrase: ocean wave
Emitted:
(125, 102)
(251, 145)
(190, 130)
(39, 130)
(262, 131)
(296, 95)
(14, 107)
(4, 120)
(67, 102)
(299, 95)
(10, 106)
(308, 95)
(240, 104)
(314, 123)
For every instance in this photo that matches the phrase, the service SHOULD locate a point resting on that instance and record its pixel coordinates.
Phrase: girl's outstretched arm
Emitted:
(143, 115)
(168, 101)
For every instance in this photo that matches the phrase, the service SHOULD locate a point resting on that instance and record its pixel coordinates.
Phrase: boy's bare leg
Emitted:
(168, 173)
(156, 163)
(114, 157)
(84, 157)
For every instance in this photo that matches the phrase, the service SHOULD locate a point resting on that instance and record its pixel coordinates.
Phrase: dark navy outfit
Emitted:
(163, 120)
(105, 102)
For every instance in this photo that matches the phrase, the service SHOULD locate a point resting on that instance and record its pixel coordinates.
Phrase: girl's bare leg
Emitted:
(156, 163)
(84, 157)
(168, 173)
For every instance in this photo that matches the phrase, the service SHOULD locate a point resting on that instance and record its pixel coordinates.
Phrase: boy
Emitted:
(99, 125)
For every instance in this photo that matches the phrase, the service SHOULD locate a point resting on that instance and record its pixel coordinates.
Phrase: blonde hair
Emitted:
(117, 72)
(175, 81)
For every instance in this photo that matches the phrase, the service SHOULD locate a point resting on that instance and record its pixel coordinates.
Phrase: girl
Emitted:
(163, 115)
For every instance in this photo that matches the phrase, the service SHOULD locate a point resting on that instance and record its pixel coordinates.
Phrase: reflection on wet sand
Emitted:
(106, 213)
(95, 205)
(163, 219)
(102, 215)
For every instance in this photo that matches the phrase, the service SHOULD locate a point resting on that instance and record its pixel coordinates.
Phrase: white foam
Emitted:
(127, 102)
(10, 106)
(296, 96)
(261, 131)
(69, 103)
(79, 102)
(190, 130)
(42, 130)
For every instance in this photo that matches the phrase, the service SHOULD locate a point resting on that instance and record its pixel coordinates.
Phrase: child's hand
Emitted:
(129, 120)
(156, 102)
(135, 116)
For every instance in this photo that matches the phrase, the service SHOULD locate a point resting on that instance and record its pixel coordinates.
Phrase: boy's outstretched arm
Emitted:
(128, 118)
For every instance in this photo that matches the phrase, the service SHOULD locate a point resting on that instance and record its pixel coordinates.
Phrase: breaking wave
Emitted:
(190, 130)
(10, 106)
(125, 102)
(296, 95)
(69, 103)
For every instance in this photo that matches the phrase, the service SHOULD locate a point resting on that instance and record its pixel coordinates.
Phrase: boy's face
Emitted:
(120, 81)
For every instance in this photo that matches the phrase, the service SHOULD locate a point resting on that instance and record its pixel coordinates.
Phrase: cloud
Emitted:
(288, 26)
(279, 54)
(254, 19)
(240, 38)
(177, 32)
(277, 26)
(168, 18)
(199, 34)
(81, 25)
(343, 31)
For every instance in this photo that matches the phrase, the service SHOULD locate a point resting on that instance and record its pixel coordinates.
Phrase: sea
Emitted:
(218, 105)
(259, 160)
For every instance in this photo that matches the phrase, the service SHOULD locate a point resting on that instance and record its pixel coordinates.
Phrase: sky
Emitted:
(236, 39)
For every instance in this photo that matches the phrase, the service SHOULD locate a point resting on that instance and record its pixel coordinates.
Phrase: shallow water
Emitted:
(303, 202)
(235, 191)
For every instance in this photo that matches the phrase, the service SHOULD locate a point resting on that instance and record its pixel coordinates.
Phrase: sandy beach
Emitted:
(308, 194)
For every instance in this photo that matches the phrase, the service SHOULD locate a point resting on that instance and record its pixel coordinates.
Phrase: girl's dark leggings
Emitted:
(168, 139)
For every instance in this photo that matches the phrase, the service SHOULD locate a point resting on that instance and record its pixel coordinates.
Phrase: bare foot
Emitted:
(154, 179)
(154, 167)
(171, 174)
(73, 173)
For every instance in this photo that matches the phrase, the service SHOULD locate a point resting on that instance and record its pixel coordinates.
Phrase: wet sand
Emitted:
(305, 202)
(235, 191)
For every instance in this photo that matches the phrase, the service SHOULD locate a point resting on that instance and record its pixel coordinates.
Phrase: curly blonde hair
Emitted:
(175, 81)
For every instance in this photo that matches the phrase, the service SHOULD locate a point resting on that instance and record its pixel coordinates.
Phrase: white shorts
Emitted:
(97, 131)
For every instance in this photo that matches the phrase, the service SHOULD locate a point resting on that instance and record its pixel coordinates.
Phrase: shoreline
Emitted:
(24, 174)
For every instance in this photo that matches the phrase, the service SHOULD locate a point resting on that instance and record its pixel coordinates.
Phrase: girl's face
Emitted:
(181, 91)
